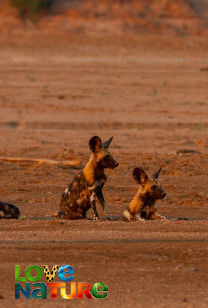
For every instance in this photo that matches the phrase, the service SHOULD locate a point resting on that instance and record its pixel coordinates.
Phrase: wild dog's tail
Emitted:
(9, 211)
(127, 215)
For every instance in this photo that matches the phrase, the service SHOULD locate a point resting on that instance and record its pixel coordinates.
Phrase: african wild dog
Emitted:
(143, 204)
(80, 195)
(9, 211)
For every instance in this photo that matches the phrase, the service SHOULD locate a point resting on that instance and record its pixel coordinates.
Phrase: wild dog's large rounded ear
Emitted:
(156, 174)
(140, 176)
(95, 144)
(107, 143)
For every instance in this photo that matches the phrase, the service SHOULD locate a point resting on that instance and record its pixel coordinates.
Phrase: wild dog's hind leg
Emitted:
(93, 202)
(9, 211)
(101, 199)
(72, 215)
(67, 211)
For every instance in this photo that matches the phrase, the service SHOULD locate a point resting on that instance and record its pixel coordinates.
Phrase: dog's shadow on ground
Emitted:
(113, 218)
(120, 218)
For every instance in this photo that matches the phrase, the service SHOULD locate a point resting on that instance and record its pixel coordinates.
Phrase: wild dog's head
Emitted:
(150, 187)
(102, 157)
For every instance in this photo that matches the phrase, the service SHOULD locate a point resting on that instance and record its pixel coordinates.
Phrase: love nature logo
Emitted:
(30, 285)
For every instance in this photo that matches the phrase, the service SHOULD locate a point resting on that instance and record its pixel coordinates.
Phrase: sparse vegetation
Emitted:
(199, 127)
(31, 8)
(22, 218)
(154, 91)
(140, 127)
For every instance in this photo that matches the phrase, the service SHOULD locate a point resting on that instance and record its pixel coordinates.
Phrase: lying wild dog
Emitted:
(9, 211)
(81, 194)
(143, 204)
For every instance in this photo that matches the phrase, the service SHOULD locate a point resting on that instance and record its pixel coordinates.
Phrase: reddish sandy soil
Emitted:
(150, 94)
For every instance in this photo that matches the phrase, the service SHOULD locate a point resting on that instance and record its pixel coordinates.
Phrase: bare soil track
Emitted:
(58, 91)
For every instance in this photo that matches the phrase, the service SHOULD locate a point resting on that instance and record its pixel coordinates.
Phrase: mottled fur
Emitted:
(81, 194)
(9, 211)
(143, 204)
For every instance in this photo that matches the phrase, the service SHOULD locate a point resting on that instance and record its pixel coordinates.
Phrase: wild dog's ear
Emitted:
(107, 143)
(95, 144)
(140, 176)
(156, 174)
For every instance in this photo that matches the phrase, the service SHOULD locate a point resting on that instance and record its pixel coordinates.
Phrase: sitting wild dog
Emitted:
(81, 194)
(143, 204)
(9, 211)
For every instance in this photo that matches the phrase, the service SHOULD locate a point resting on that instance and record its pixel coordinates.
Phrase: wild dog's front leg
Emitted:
(93, 202)
(153, 215)
(156, 216)
(101, 199)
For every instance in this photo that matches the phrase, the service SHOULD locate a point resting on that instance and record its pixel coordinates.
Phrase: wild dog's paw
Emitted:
(163, 217)
(139, 218)
(96, 218)
(159, 217)
(57, 214)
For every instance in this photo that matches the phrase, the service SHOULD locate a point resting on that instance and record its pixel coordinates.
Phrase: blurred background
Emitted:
(149, 16)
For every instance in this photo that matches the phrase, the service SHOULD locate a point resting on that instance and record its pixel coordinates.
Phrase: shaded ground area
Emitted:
(56, 93)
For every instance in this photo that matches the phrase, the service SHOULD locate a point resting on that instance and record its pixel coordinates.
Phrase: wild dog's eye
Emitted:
(107, 157)
(154, 187)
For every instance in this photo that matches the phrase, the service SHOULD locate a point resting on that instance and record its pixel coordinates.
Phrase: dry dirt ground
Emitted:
(151, 95)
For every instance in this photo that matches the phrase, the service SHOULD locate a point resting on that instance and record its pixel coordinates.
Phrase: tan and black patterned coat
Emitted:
(81, 194)
(143, 203)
